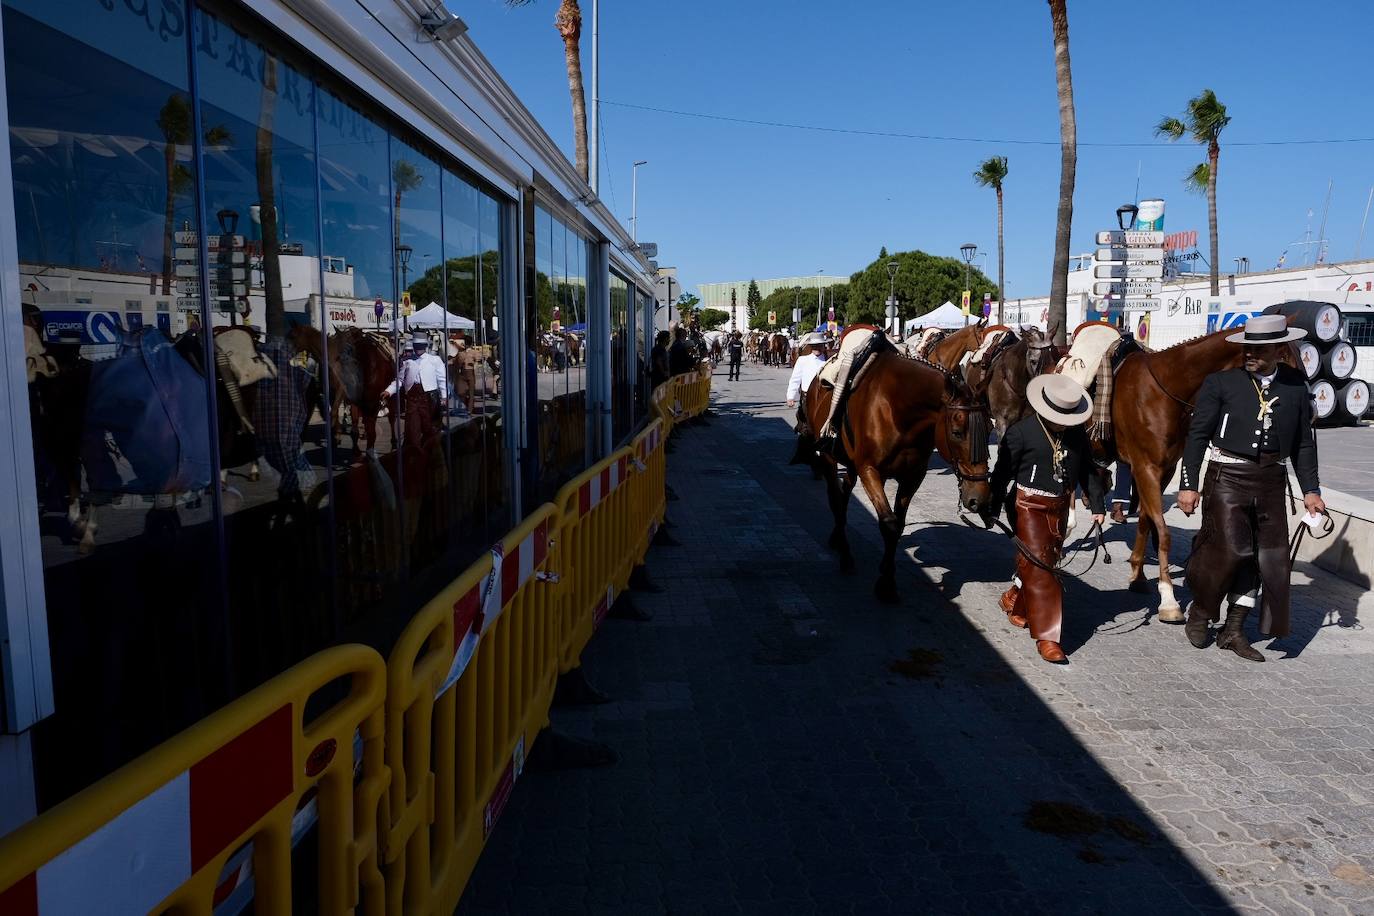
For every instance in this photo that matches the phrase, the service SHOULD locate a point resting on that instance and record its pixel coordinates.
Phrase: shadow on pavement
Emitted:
(789, 745)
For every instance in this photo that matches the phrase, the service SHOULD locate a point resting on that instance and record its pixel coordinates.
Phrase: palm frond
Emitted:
(1206, 117)
(1198, 179)
(1172, 128)
(991, 172)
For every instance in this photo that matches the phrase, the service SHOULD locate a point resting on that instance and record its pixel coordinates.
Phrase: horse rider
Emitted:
(736, 350)
(808, 364)
(1250, 420)
(1047, 455)
(426, 370)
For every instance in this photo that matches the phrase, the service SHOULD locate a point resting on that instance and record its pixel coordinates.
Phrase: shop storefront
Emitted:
(236, 238)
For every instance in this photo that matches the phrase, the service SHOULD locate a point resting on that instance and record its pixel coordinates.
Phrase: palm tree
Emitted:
(568, 22)
(1068, 169)
(1204, 120)
(991, 174)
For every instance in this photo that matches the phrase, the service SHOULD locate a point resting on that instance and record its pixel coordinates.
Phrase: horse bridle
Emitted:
(978, 442)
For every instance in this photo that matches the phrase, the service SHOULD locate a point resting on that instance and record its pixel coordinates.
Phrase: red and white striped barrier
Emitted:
(134, 861)
(477, 610)
(593, 491)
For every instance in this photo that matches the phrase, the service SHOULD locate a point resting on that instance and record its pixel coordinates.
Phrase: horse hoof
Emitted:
(1139, 585)
(1170, 614)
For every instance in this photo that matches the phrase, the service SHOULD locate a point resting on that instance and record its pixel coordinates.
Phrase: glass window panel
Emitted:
(102, 152)
(359, 256)
(257, 112)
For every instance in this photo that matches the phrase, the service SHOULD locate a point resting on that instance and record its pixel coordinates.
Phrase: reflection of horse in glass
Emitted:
(366, 365)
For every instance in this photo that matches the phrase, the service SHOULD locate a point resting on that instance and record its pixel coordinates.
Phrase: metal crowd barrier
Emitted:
(192, 821)
(598, 542)
(469, 687)
(405, 777)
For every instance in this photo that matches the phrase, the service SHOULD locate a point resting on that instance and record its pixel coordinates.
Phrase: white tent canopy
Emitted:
(434, 316)
(948, 315)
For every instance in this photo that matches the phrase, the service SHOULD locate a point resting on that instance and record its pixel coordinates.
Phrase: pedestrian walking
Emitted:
(658, 360)
(426, 370)
(1249, 420)
(1047, 456)
(735, 349)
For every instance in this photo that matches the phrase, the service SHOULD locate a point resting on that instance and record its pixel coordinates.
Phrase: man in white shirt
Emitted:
(808, 364)
(426, 370)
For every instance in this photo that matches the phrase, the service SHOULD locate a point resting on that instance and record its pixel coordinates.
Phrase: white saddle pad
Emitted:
(1090, 345)
(851, 343)
(245, 362)
(990, 340)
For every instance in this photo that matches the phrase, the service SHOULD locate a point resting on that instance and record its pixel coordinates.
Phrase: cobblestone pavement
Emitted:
(788, 745)
(1347, 456)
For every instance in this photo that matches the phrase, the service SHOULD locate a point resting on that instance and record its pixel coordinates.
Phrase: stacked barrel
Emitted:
(1338, 398)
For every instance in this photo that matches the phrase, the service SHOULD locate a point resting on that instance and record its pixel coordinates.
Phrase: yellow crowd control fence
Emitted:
(215, 810)
(470, 683)
(404, 774)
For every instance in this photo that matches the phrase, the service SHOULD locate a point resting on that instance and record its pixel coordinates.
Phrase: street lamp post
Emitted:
(892, 295)
(1125, 219)
(969, 251)
(820, 297)
(634, 200)
(403, 253)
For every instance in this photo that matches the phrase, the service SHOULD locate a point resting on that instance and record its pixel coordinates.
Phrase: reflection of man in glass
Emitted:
(426, 370)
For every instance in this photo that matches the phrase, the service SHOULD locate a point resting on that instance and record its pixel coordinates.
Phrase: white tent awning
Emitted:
(434, 316)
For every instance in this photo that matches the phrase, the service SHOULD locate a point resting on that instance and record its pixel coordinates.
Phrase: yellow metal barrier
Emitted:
(469, 687)
(598, 543)
(648, 487)
(188, 823)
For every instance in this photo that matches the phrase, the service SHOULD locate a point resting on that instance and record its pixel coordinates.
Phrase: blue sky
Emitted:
(728, 201)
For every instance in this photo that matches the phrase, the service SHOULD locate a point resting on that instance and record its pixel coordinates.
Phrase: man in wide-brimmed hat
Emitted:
(1249, 421)
(815, 352)
(1047, 455)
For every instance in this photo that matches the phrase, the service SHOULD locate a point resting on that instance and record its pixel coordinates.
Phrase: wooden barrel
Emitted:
(1321, 320)
(1310, 359)
(1323, 399)
(1352, 400)
(1338, 362)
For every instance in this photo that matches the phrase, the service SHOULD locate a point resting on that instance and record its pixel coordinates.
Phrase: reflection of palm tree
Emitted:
(174, 120)
(267, 202)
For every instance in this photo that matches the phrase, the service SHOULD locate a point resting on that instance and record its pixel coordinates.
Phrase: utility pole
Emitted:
(634, 200)
(592, 146)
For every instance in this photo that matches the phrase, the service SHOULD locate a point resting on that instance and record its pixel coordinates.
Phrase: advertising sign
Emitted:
(772, 317)
(1130, 271)
(1131, 238)
(964, 300)
(1150, 216)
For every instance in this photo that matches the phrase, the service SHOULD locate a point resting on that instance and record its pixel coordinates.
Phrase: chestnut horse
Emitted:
(365, 366)
(1152, 404)
(903, 410)
(948, 350)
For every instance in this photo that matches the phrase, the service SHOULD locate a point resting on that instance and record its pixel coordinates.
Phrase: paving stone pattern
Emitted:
(788, 745)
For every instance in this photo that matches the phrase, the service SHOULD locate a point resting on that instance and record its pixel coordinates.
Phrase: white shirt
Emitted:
(426, 370)
(803, 374)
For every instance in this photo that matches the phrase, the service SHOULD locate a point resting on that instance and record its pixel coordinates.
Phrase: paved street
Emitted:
(788, 745)
(1347, 457)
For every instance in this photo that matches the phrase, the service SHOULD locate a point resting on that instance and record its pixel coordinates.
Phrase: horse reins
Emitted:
(1151, 369)
(1099, 547)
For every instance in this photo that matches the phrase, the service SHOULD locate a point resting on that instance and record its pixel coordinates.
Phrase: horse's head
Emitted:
(1041, 353)
(961, 436)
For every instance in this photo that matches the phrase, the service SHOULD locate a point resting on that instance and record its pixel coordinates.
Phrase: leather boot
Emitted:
(1051, 652)
(1232, 635)
(1197, 628)
(1119, 513)
(1008, 605)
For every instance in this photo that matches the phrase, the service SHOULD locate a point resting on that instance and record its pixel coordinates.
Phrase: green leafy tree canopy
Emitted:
(923, 282)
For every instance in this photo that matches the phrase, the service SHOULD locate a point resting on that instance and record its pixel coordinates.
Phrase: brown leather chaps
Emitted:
(1243, 541)
(1040, 525)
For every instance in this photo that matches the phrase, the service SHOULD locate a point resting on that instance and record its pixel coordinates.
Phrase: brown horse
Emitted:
(1152, 403)
(365, 367)
(950, 349)
(904, 410)
(777, 349)
(1003, 376)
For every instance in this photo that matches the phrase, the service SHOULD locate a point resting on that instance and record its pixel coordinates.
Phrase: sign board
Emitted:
(648, 249)
(1136, 305)
(1128, 288)
(1129, 254)
(964, 300)
(1143, 271)
(772, 317)
(1131, 237)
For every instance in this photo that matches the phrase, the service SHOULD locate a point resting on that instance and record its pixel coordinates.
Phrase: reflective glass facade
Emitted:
(266, 390)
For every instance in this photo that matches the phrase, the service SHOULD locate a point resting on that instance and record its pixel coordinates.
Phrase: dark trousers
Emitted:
(1243, 541)
(734, 369)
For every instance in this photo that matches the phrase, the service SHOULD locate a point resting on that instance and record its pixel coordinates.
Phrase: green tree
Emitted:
(568, 22)
(1068, 170)
(991, 174)
(752, 299)
(1204, 121)
(882, 253)
(688, 302)
(711, 319)
(923, 282)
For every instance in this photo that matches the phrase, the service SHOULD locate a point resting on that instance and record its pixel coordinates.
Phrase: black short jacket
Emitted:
(1026, 456)
(1228, 416)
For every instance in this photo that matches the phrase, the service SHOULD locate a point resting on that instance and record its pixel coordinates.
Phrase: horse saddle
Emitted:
(1091, 343)
(237, 352)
